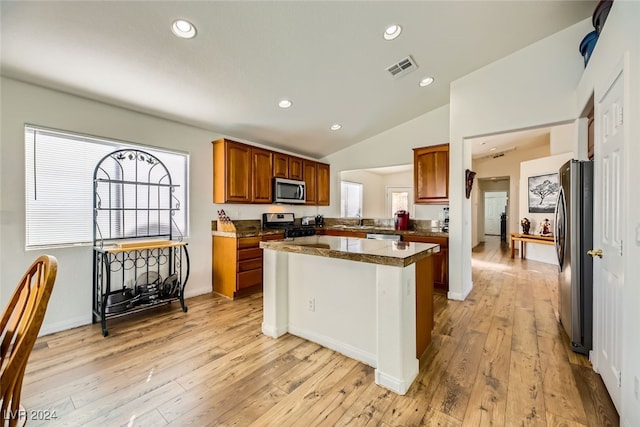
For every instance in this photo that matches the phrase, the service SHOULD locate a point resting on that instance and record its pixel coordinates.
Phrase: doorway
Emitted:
(491, 202)
(495, 205)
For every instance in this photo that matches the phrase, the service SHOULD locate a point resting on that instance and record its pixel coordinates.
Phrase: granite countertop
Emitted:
(431, 232)
(247, 232)
(256, 231)
(383, 252)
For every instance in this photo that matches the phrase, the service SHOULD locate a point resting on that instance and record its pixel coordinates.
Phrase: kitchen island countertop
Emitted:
(382, 252)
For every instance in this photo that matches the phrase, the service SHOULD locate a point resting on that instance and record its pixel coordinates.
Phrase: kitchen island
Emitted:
(371, 300)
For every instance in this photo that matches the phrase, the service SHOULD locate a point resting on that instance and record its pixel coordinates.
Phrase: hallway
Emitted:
(544, 379)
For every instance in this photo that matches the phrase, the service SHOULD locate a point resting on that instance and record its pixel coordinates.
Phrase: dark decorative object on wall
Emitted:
(526, 225)
(543, 191)
(469, 175)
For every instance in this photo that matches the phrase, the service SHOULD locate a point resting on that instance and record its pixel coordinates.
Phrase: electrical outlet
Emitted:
(636, 387)
(441, 216)
(311, 304)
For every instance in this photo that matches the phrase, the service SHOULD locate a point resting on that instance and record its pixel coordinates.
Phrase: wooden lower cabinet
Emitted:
(424, 305)
(237, 264)
(440, 260)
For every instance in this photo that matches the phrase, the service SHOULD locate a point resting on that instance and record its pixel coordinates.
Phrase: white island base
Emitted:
(363, 310)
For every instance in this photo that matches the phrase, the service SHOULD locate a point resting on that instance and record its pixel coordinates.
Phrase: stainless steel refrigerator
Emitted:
(573, 238)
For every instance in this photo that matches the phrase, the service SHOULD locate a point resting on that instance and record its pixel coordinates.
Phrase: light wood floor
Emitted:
(499, 358)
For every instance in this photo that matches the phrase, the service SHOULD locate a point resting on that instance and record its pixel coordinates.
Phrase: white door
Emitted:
(494, 204)
(608, 228)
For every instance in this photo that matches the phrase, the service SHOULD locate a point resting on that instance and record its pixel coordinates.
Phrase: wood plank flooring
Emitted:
(499, 358)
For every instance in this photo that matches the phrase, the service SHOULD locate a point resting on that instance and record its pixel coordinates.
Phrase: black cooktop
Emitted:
(286, 222)
(299, 231)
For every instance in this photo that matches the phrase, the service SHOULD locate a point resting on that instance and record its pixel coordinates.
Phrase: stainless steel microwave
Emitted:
(288, 191)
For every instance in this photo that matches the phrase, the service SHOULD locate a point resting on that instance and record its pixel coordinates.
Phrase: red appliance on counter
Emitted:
(402, 220)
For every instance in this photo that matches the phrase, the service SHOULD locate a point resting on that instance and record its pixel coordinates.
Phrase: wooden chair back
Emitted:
(19, 328)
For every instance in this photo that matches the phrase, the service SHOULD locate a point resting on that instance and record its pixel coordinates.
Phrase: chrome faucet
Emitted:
(360, 219)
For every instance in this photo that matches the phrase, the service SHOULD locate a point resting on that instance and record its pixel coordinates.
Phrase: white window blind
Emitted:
(59, 184)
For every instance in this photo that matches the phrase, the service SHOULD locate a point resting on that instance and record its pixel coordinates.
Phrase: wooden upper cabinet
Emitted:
(309, 170)
(431, 174)
(231, 172)
(280, 165)
(244, 174)
(261, 175)
(295, 168)
(323, 175)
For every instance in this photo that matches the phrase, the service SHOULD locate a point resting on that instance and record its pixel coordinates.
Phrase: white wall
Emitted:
(390, 148)
(401, 179)
(70, 304)
(530, 88)
(619, 45)
(543, 166)
(562, 138)
(372, 191)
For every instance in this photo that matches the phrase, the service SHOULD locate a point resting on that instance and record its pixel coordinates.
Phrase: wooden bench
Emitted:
(528, 238)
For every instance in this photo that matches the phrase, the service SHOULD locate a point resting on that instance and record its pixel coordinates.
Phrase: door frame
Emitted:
(506, 206)
(621, 70)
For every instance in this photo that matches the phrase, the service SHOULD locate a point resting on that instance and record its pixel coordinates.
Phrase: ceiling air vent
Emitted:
(402, 67)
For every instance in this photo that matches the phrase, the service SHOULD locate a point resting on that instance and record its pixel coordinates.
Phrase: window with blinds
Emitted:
(350, 199)
(59, 184)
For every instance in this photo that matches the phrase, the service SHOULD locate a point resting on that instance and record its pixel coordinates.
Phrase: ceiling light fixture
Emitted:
(426, 81)
(183, 29)
(285, 103)
(392, 32)
(493, 148)
(336, 126)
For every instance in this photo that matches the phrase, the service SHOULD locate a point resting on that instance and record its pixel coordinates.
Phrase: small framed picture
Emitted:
(543, 191)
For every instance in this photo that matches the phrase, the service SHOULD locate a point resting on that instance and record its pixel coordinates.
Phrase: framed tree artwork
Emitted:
(543, 191)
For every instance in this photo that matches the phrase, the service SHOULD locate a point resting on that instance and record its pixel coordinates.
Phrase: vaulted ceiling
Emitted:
(329, 58)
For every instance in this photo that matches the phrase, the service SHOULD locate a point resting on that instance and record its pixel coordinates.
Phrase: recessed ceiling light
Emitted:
(493, 148)
(426, 81)
(392, 32)
(336, 126)
(183, 29)
(285, 103)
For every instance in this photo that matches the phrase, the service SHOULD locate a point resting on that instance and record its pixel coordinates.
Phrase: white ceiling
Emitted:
(329, 57)
(492, 145)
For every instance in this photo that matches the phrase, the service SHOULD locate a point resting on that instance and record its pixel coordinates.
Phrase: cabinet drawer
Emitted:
(267, 237)
(250, 264)
(249, 242)
(249, 278)
(249, 253)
